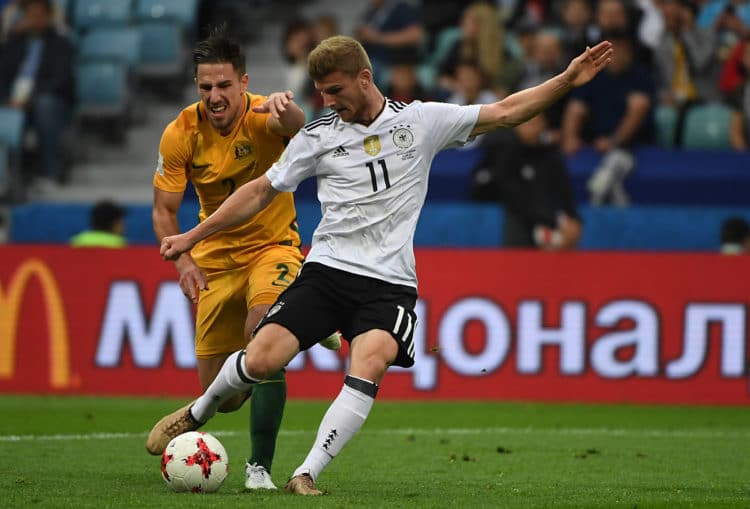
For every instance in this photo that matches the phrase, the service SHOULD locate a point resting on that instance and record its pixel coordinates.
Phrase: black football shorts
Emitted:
(323, 300)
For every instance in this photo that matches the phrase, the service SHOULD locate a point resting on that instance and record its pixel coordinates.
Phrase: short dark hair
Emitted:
(105, 214)
(734, 230)
(219, 48)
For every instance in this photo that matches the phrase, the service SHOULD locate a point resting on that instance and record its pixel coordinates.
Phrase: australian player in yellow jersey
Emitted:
(225, 140)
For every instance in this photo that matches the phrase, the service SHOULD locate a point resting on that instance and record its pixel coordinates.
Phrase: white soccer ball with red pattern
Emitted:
(194, 461)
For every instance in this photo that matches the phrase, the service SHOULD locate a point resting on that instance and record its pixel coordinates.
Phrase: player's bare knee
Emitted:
(371, 364)
(259, 367)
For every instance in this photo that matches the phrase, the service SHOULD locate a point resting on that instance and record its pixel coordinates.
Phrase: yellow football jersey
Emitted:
(191, 149)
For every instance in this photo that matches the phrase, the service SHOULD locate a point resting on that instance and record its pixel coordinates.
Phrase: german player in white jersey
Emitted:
(371, 158)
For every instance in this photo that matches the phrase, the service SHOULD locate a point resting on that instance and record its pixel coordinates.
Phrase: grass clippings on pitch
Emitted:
(66, 452)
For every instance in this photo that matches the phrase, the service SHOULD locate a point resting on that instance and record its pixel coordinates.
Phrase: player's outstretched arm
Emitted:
(525, 104)
(286, 116)
(244, 203)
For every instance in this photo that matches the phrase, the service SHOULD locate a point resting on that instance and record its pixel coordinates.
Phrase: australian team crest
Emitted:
(242, 149)
(372, 145)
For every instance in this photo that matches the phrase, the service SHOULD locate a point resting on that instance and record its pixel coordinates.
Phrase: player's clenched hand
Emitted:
(276, 104)
(173, 246)
(192, 278)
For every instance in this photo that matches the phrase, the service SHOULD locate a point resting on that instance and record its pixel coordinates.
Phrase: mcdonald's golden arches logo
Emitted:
(11, 299)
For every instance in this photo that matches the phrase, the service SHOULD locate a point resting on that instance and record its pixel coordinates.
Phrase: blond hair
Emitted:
(488, 48)
(337, 53)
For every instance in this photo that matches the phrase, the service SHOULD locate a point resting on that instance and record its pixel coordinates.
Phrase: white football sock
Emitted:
(231, 379)
(343, 419)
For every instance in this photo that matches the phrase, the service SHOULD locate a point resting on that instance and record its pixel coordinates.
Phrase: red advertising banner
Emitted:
(493, 324)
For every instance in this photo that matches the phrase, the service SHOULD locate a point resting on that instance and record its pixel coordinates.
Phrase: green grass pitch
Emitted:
(71, 452)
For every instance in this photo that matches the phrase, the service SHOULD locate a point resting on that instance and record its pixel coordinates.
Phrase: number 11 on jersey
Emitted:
(374, 177)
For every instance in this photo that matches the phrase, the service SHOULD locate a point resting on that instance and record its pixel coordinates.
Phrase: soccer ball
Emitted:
(194, 461)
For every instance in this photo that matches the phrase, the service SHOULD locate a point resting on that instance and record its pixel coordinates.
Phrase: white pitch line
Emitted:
(653, 433)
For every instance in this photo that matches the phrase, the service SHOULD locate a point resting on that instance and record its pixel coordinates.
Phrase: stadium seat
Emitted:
(103, 92)
(184, 11)
(11, 128)
(427, 70)
(666, 123)
(94, 13)
(707, 127)
(105, 43)
(162, 53)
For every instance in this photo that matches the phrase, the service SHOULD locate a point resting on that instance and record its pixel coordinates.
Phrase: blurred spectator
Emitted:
(735, 236)
(297, 43)
(482, 40)
(325, 26)
(620, 16)
(546, 61)
(528, 174)
(442, 14)
(107, 227)
(649, 22)
(10, 15)
(471, 85)
(712, 11)
(390, 31)
(11, 18)
(404, 86)
(732, 72)
(739, 100)
(729, 19)
(37, 75)
(526, 12)
(576, 17)
(613, 112)
(524, 38)
(686, 62)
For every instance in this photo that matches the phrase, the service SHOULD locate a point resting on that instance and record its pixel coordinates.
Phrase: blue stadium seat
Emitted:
(104, 96)
(163, 52)
(93, 13)
(666, 123)
(707, 127)
(185, 11)
(427, 70)
(11, 128)
(106, 43)
(11, 140)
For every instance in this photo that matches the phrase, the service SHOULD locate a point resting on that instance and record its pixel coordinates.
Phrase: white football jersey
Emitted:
(372, 182)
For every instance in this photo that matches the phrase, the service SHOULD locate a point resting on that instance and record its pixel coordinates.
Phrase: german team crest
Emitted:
(372, 145)
(403, 137)
(242, 149)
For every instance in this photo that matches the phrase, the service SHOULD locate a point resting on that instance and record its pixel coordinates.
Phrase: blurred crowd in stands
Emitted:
(680, 80)
(673, 57)
(74, 66)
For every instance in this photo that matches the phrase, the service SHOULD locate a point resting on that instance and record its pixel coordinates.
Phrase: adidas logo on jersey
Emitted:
(340, 152)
